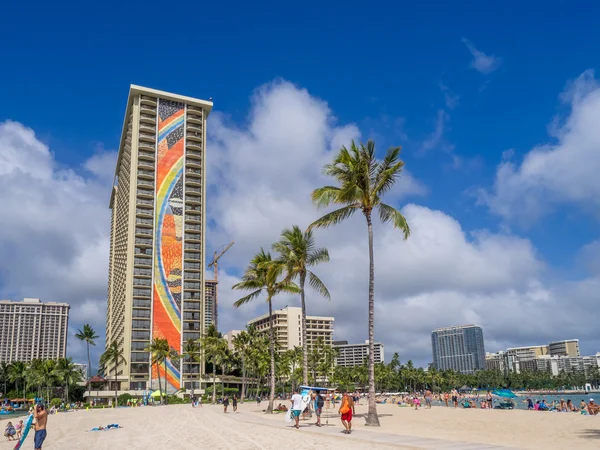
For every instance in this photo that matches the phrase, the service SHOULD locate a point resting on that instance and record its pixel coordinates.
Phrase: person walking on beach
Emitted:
(234, 402)
(346, 410)
(319, 403)
(296, 408)
(427, 399)
(41, 419)
(455, 398)
(489, 400)
(446, 398)
(225, 404)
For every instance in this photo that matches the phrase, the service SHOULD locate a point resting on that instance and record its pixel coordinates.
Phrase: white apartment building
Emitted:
(529, 352)
(287, 323)
(568, 347)
(33, 330)
(351, 355)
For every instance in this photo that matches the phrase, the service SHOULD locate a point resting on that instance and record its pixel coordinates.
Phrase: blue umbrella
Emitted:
(505, 393)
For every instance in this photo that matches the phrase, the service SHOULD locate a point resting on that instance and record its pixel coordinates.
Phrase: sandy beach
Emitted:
(183, 427)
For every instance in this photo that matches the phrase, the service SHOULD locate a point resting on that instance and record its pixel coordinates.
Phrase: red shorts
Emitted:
(347, 416)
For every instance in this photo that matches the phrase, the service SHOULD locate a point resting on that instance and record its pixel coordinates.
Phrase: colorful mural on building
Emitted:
(168, 229)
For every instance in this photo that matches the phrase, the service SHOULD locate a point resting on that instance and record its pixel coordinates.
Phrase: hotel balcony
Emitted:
(147, 147)
(149, 183)
(196, 190)
(194, 118)
(191, 275)
(149, 137)
(148, 118)
(191, 256)
(193, 219)
(193, 146)
(193, 154)
(194, 136)
(144, 201)
(143, 242)
(191, 126)
(147, 174)
(193, 163)
(146, 165)
(191, 266)
(193, 199)
(143, 231)
(142, 272)
(144, 127)
(141, 303)
(143, 222)
(142, 282)
(192, 237)
(146, 109)
(146, 100)
(194, 109)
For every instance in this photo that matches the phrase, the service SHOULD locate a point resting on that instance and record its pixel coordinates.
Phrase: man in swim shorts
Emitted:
(346, 410)
(296, 408)
(41, 418)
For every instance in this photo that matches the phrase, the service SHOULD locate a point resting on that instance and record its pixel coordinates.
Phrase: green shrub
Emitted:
(124, 398)
(55, 402)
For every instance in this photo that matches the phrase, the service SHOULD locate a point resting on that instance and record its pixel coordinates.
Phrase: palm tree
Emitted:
(88, 335)
(68, 373)
(298, 253)
(215, 348)
(191, 353)
(241, 346)
(47, 372)
(363, 181)
(4, 374)
(159, 348)
(17, 373)
(263, 274)
(114, 355)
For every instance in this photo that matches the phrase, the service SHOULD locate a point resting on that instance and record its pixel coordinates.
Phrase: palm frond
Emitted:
(335, 217)
(288, 287)
(316, 283)
(247, 299)
(390, 214)
(325, 196)
(320, 255)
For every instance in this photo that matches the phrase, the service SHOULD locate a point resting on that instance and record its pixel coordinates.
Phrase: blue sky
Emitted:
(457, 87)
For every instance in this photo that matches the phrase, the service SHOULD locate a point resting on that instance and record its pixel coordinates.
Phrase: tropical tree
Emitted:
(89, 336)
(159, 349)
(362, 182)
(68, 373)
(114, 356)
(242, 346)
(298, 252)
(4, 375)
(264, 275)
(191, 354)
(215, 351)
(17, 374)
(47, 372)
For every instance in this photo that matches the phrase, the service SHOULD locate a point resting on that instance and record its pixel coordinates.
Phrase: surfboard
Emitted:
(25, 432)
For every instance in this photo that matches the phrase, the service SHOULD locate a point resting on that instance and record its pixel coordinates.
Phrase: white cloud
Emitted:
(442, 275)
(481, 62)
(450, 98)
(437, 139)
(53, 230)
(558, 173)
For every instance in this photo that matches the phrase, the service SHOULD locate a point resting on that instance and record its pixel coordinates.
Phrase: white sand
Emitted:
(182, 427)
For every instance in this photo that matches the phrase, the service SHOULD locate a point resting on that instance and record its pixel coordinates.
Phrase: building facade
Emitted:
(352, 355)
(569, 347)
(210, 297)
(287, 324)
(458, 348)
(33, 330)
(157, 240)
(530, 352)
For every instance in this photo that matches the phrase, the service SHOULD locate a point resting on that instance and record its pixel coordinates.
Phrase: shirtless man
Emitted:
(41, 418)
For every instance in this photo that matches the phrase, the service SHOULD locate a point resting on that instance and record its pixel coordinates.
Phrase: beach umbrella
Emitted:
(504, 393)
(155, 394)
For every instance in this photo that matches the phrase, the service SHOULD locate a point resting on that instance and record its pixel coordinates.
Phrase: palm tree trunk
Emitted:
(214, 400)
(160, 391)
(116, 387)
(372, 418)
(243, 379)
(89, 367)
(272, 354)
(166, 382)
(304, 343)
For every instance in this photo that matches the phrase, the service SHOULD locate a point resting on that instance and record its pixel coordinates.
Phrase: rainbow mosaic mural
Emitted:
(168, 229)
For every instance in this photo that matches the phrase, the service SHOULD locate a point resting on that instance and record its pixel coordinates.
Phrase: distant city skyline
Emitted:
(460, 348)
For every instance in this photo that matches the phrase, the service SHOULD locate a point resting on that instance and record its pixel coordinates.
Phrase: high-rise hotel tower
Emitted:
(157, 240)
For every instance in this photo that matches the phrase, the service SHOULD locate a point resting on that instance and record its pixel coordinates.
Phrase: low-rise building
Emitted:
(287, 324)
(351, 355)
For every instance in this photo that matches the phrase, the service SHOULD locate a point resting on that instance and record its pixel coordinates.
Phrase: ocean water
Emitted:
(521, 403)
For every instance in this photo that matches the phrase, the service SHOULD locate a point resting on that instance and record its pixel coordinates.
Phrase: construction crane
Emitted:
(215, 265)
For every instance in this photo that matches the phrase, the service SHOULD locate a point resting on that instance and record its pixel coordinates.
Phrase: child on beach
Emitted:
(19, 429)
(416, 402)
(9, 432)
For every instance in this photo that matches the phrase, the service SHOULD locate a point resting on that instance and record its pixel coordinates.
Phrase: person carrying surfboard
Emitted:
(41, 419)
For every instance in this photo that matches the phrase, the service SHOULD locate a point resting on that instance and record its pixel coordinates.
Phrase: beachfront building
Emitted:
(33, 330)
(156, 285)
(351, 355)
(458, 348)
(502, 361)
(210, 302)
(229, 338)
(287, 324)
(569, 347)
(529, 352)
